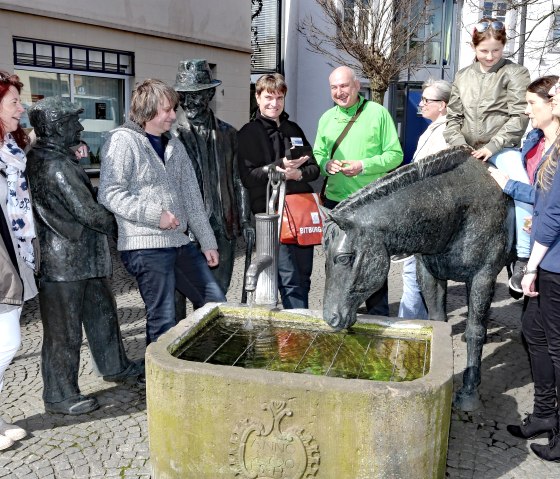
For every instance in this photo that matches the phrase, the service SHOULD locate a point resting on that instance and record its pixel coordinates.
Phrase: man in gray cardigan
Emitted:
(147, 180)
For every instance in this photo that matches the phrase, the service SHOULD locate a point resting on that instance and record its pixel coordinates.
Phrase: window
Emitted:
(95, 78)
(435, 33)
(495, 10)
(101, 98)
(39, 53)
(265, 36)
(555, 29)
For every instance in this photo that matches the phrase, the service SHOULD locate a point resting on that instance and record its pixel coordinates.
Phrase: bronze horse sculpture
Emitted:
(448, 211)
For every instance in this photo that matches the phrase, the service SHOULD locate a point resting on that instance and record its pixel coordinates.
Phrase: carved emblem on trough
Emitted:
(259, 451)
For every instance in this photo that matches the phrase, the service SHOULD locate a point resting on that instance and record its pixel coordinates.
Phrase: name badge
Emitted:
(296, 141)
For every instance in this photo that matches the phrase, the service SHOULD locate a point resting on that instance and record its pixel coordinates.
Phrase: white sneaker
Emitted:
(11, 431)
(5, 442)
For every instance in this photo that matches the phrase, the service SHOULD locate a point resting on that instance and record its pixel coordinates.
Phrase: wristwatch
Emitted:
(528, 271)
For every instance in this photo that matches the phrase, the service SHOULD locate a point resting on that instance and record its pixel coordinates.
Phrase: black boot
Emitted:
(550, 451)
(533, 426)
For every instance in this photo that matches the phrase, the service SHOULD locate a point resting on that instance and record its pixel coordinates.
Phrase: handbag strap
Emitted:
(344, 132)
(338, 141)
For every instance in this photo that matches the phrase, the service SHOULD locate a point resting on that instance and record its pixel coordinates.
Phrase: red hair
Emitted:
(499, 35)
(8, 80)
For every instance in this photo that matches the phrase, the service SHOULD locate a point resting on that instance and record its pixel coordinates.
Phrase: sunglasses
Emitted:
(428, 100)
(555, 89)
(7, 77)
(481, 27)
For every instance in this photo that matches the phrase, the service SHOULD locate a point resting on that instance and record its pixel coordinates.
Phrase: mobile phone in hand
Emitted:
(299, 151)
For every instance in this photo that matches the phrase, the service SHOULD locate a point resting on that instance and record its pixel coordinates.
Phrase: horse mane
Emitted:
(403, 176)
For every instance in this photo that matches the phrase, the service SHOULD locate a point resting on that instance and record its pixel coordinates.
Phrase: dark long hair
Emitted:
(8, 80)
(541, 86)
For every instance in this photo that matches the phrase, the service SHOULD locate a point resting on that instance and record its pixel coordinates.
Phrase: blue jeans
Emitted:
(159, 272)
(509, 161)
(295, 265)
(412, 303)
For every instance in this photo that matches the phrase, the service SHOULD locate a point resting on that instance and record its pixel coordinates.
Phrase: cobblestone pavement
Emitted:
(113, 441)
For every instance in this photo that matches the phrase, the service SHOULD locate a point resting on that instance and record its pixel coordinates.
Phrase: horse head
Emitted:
(356, 266)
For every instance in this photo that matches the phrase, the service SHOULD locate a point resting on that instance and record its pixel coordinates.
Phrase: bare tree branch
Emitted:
(377, 38)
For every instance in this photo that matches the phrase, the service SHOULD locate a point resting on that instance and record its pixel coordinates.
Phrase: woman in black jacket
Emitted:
(263, 142)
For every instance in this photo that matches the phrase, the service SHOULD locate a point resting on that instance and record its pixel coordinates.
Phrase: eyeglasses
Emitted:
(481, 27)
(554, 90)
(428, 100)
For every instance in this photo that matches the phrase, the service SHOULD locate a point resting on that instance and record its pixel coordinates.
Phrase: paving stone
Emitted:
(112, 442)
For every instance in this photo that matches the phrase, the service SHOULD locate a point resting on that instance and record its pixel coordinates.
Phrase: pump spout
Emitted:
(256, 267)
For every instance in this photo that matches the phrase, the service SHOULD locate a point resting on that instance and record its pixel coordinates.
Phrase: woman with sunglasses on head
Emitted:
(433, 107)
(486, 112)
(17, 259)
(541, 311)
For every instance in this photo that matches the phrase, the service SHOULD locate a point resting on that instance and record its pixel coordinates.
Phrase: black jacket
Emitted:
(261, 143)
(234, 198)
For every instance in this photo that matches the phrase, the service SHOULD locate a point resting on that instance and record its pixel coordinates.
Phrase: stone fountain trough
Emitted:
(280, 396)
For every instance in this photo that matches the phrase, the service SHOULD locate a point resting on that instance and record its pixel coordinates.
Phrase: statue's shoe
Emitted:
(133, 371)
(550, 451)
(5, 442)
(533, 426)
(15, 433)
(73, 406)
(399, 258)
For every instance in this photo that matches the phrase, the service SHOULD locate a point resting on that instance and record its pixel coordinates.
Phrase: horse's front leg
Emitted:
(481, 291)
(434, 291)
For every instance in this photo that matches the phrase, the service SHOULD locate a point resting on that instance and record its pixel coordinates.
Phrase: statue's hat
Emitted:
(195, 75)
(51, 109)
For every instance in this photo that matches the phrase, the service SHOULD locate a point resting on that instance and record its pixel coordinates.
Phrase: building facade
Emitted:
(446, 35)
(94, 52)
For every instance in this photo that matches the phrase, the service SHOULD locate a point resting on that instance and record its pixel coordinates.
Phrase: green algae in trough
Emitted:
(241, 393)
(227, 341)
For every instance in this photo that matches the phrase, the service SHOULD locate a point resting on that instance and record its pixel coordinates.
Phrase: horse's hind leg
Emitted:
(481, 290)
(434, 292)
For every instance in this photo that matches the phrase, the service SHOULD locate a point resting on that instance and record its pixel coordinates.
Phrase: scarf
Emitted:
(20, 215)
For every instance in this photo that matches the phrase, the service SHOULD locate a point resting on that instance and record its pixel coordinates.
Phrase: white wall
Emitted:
(307, 73)
(154, 57)
(222, 23)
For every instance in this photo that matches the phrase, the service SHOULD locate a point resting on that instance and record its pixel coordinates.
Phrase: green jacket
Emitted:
(487, 109)
(373, 139)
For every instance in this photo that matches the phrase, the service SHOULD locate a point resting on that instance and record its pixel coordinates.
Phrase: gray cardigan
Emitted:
(137, 187)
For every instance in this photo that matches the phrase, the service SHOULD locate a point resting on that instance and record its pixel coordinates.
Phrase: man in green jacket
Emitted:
(369, 150)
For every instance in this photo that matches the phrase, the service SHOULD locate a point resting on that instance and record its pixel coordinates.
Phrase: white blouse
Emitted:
(432, 140)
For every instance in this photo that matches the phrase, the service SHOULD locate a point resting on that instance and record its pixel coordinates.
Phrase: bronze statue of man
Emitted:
(75, 262)
(212, 146)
